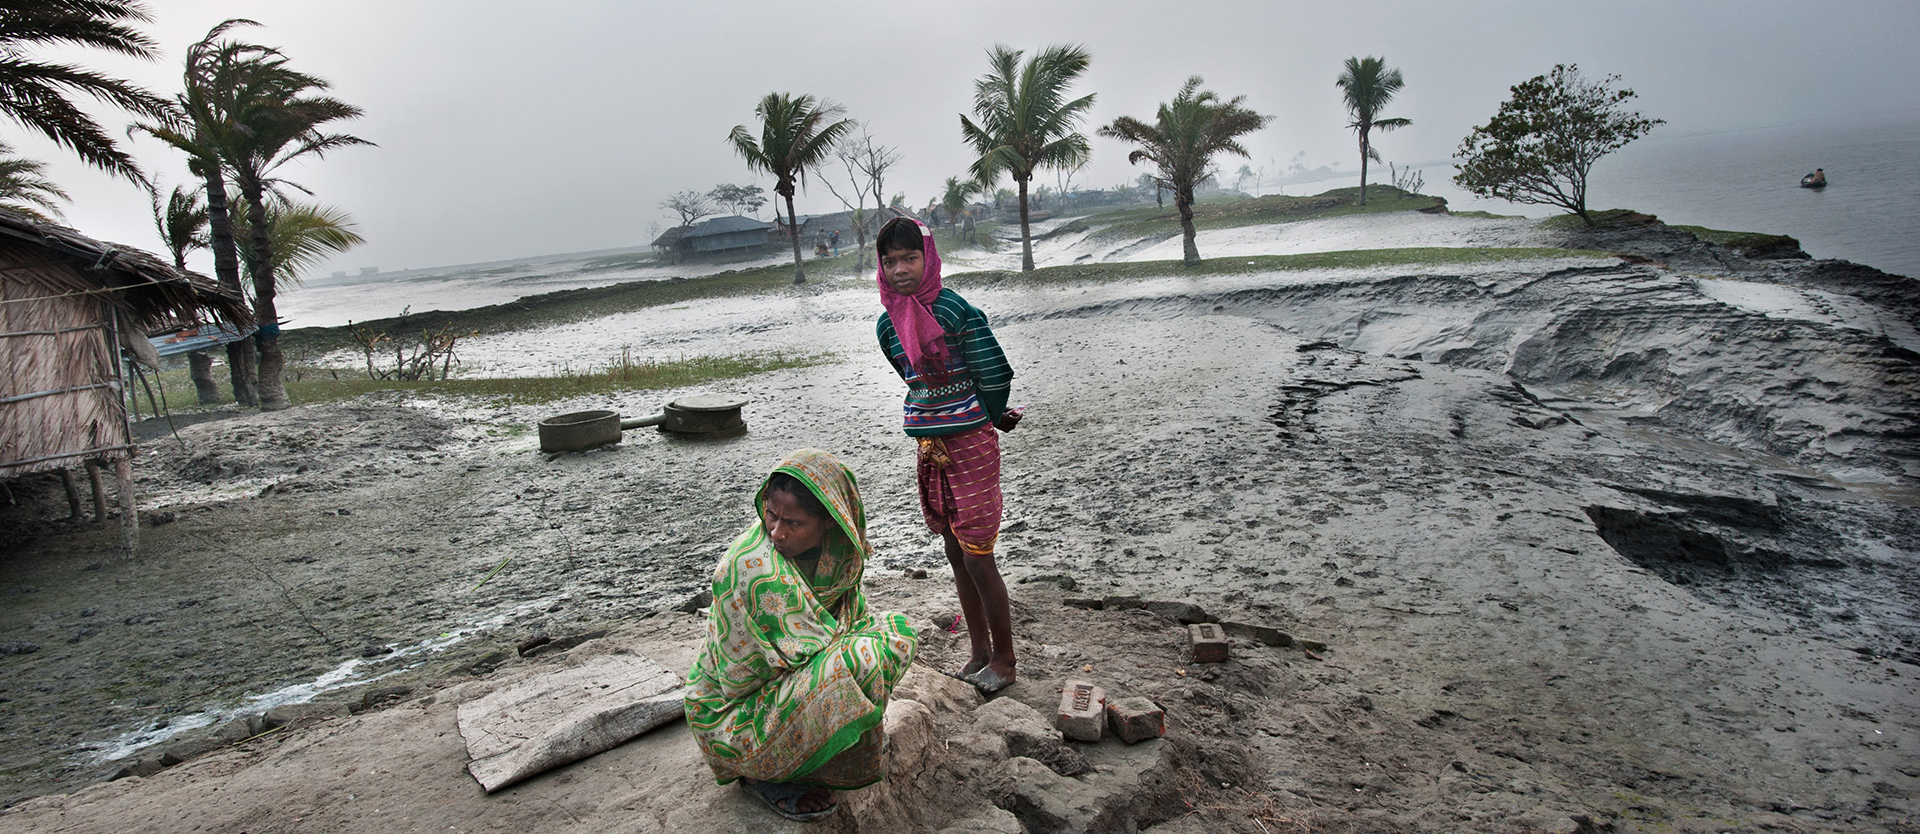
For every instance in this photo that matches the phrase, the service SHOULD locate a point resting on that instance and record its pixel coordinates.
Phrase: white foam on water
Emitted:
(346, 674)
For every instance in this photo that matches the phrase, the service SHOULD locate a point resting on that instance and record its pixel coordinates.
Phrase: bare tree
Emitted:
(690, 205)
(866, 164)
(874, 161)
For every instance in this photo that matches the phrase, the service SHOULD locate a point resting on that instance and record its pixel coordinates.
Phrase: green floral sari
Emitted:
(792, 682)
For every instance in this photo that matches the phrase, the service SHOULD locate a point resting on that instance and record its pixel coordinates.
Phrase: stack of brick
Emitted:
(1085, 713)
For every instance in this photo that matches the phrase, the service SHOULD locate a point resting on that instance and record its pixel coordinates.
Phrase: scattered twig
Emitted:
(496, 569)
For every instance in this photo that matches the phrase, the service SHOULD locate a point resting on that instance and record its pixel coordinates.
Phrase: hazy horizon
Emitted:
(504, 136)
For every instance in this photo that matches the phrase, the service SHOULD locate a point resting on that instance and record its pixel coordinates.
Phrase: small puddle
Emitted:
(350, 673)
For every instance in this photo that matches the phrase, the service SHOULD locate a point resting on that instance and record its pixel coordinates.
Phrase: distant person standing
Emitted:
(833, 238)
(958, 382)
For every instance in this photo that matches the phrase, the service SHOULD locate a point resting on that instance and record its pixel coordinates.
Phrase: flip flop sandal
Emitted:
(784, 799)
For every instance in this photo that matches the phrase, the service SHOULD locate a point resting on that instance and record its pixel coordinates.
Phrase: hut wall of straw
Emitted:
(60, 401)
(64, 300)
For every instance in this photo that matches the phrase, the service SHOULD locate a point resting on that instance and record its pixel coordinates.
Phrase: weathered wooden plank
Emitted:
(549, 720)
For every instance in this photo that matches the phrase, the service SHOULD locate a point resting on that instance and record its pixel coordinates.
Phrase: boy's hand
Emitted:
(1009, 419)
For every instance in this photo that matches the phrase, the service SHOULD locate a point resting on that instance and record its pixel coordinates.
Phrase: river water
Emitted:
(1748, 180)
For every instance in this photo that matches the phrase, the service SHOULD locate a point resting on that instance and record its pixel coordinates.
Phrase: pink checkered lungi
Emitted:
(960, 487)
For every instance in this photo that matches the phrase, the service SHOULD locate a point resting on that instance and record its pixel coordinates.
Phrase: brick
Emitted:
(1136, 719)
(1082, 713)
(1208, 641)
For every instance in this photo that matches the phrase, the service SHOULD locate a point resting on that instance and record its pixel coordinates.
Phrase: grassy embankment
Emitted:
(1752, 244)
(1345, 259)
(1156, 222)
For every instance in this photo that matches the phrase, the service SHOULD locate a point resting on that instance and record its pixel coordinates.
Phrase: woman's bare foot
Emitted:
(973, 666)
(818, 799)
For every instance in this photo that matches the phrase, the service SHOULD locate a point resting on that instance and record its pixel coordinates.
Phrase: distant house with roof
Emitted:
(713, 236)
(668, 243)
(722, 234)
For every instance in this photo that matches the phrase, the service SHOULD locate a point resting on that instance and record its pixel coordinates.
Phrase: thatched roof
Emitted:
(148, 291)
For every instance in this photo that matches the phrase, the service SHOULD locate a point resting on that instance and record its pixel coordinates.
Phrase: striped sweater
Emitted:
(978, 382)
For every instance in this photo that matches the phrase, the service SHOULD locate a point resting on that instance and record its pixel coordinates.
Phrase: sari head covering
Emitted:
(920, 334)
(794, 671)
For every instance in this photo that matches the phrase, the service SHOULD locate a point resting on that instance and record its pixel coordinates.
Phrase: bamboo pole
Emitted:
(73, 495)
(99, 492)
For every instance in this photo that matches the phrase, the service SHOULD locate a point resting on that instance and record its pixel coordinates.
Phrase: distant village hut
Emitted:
(724, 234)
(671, 244)
(67, 305)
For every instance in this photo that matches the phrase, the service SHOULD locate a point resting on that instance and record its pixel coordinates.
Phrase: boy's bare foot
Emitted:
(973, 667)
(992, 678)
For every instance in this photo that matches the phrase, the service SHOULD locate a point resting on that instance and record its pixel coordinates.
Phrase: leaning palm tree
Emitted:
(259, 115)
(796, 133)
(1182, 141)
(1367, 85)
(195, 124)
(35, 93)
(1026, 123)
(25, 189)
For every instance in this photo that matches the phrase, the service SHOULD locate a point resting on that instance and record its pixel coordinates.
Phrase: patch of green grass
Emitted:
(1346, 259)
(619, 261)
(1602, 218)
(623, 376)
(309, 384)
(1751, 243)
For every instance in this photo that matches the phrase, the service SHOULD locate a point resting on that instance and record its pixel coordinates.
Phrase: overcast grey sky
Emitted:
(510, 129)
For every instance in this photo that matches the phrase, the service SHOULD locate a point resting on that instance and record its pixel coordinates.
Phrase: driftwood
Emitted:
(550, 720)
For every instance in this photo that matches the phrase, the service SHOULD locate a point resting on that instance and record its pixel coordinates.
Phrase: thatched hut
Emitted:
(67, 304)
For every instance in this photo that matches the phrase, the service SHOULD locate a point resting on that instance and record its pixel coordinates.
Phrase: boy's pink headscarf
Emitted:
(920, 334)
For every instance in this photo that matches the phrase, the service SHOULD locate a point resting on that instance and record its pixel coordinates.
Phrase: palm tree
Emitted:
(1026, 123)
(25, 189)
(1368, 85)
(304, 235)
(955, 194)
(1182, 141)
(796, 133)
(34, 93)
(182, 224)
(194, 124)
(259, 115)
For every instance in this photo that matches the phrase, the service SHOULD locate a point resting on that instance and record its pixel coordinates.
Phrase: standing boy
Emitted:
(957, 385)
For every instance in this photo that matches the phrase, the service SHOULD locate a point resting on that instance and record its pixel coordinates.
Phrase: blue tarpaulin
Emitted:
(197, 338)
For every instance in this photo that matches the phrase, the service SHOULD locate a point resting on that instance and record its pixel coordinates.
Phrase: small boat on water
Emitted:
(1817, 179)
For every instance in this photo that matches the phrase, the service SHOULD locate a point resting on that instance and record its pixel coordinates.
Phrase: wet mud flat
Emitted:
(1567, 557)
